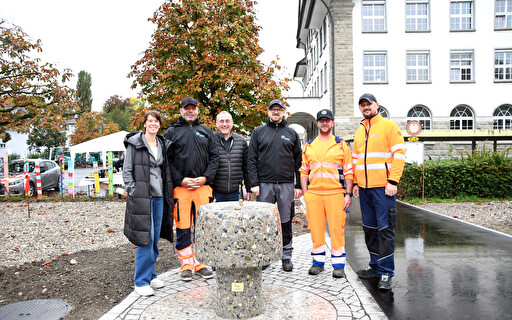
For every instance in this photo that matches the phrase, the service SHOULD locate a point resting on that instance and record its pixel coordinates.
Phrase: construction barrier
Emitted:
(70, 179)
(26, 177)
(6, 173)
(96, 180)
(62, 170)
(38, 181)
(110, 174)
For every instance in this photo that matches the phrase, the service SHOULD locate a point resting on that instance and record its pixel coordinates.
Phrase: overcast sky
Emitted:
(106, 37)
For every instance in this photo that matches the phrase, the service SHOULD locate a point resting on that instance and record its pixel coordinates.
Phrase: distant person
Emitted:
(232, 169)
(193, 161)
(326, 160)
(149, 202)
(379, 159)
(274, 161)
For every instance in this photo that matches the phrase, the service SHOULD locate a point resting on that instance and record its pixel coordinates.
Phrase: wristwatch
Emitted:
(350, 194)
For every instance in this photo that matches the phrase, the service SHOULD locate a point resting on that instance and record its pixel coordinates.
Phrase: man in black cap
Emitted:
(379, 157)
(273, 163)
(326, 179)
(193, 161)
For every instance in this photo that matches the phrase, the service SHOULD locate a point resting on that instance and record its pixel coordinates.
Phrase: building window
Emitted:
(417, 16)
(418, 66)
(422, 115)
(374, 16)
(374, 67)
(383, 112)
(503, 65)
(325, 32)
(322, 85)
(503, 14)
(461, 66)
(461, 15)
(326, 80)
(461, 118)
(503, 117)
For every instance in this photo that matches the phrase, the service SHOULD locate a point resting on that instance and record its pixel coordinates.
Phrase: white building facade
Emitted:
(446, 64)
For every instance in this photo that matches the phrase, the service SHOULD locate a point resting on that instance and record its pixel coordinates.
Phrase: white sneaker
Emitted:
(144, 291)
(157, 283)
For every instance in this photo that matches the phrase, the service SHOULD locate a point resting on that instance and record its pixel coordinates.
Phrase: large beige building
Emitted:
(446, 64)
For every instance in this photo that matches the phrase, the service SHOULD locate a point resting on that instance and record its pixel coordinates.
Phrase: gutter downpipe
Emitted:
(333, 84)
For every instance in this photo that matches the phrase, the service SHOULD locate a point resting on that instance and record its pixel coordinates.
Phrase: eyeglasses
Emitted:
(324, 120)
(276, 110)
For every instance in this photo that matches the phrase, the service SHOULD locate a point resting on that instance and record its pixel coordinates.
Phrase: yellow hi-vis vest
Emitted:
(326, 171)
(378, 153)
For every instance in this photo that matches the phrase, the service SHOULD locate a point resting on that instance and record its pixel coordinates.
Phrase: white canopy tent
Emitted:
(111, 142)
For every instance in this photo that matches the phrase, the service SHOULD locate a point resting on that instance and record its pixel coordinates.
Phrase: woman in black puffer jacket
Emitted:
(149, 203)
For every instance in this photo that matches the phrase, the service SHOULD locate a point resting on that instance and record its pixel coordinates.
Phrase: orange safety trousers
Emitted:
(330, 207)
(185, 209)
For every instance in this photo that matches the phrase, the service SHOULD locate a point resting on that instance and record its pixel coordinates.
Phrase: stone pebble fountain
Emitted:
(238, 239)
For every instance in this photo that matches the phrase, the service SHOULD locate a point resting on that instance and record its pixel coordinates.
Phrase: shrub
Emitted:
(483, 174)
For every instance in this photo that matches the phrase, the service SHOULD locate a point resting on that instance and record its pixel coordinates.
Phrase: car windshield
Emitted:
(16, 167)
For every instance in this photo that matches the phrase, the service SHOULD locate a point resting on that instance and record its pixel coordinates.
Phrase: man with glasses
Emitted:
(326, 170)
(273, 163)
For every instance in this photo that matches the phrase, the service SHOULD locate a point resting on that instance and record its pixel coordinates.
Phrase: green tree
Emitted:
(118, 110)
(41, 137)
(83, 87)
(30, 90)
(207, 49)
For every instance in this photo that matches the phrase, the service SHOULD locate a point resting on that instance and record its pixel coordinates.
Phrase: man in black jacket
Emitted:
(275, 157)
(193, 162)
(232, 169)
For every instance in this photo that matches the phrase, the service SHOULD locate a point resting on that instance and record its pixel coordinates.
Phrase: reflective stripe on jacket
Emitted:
(378, 153)
(324, 168)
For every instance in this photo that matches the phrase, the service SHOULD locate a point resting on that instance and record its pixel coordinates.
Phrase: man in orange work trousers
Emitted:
(326, 161)
(193, 161)
(379, 159)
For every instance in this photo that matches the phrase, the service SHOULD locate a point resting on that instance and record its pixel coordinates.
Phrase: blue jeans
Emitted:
(378, 212)
(222, 197)
(145, 257)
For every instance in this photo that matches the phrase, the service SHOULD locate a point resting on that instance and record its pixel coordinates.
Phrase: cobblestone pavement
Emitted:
(286, 295)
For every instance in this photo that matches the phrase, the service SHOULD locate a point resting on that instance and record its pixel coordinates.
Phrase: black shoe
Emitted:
(205, 273)
(368, 274)
(338, 273)
(186, 275)
(265, 267)
(287, 265)
(314, 270)
(384, 282)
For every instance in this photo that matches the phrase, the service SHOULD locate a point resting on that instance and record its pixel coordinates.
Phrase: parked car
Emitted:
(50, 175)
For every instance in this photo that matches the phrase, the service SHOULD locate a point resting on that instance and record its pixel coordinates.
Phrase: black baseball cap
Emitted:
(369, 97)
(274, 102)
(324, 113)
(188, 100)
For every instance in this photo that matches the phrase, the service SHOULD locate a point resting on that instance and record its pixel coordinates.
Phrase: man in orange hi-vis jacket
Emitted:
(326, 162)
(379, 159)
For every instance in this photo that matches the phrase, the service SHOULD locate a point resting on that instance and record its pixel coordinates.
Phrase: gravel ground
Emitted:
(496, 215)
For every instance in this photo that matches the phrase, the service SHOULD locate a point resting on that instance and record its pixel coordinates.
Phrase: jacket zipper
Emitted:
(366, 151)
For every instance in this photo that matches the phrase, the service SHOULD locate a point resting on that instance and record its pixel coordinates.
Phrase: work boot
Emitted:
(384, 282)
(287, 265)
(314, 270)
(186, 275)
(265, 267)
(205, 273)
(368, 274)
(338, 273)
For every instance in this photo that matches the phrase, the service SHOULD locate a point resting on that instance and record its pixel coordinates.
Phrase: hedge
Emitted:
(481, 174)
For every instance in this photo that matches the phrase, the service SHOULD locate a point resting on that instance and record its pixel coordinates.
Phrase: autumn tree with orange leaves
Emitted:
(32, 93)
(207, 49)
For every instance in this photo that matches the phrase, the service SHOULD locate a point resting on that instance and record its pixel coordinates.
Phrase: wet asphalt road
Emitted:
(444, 269)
